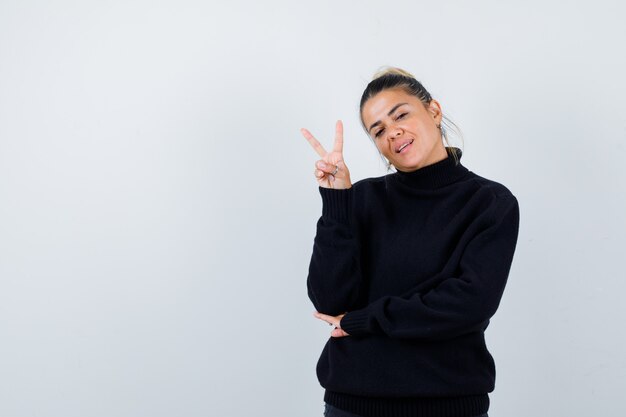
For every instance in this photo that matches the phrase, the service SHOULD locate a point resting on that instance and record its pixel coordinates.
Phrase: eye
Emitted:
(401, 116)
(378, 133)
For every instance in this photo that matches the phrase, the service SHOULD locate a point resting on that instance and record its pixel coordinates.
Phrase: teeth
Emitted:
(404, 146)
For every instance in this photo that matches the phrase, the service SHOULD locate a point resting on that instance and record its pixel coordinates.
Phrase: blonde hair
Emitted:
(394, 77)
(392, 70)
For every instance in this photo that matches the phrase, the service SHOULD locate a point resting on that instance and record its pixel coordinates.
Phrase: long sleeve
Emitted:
(334, 271)
(457, 304)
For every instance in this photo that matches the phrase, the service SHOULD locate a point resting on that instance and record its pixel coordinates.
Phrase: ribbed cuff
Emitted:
(336, 203)
(355, 323)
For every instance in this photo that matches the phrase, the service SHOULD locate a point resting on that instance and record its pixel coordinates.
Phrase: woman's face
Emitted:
(404, 131)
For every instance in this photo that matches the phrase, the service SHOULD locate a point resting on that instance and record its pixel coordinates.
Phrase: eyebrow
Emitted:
(394, 108)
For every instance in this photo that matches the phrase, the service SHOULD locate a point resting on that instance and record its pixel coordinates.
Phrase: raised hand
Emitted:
(331, 171)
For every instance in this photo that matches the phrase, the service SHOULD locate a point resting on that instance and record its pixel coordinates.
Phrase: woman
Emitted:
(408, 267)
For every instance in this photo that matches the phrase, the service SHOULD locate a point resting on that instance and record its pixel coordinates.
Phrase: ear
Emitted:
(434, 108)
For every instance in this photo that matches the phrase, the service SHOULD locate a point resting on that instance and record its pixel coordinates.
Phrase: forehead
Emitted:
(378, 106)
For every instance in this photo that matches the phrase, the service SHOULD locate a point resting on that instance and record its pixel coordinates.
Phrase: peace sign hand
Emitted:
(331, 171)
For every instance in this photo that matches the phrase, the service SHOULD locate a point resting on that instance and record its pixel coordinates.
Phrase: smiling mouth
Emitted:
(404, 146)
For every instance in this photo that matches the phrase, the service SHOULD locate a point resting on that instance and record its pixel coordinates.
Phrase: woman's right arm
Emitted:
(335, 277)
(334, 271)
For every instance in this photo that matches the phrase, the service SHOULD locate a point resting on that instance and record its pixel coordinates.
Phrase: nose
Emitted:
(394, 132)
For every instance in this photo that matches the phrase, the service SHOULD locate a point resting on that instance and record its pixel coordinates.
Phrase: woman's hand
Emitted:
(330, 171)
(333, 321)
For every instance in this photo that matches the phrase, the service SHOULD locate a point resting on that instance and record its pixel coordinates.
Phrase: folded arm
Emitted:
(460, 303)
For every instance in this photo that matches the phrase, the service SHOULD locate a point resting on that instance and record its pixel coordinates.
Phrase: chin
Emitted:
(414, 163)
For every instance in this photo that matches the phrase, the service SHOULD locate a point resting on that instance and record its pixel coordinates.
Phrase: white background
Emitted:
(158, 204)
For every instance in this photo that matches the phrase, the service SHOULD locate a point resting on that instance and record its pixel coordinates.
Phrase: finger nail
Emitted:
(322, 165)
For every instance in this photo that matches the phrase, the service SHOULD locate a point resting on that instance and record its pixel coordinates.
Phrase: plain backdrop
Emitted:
(158, 204)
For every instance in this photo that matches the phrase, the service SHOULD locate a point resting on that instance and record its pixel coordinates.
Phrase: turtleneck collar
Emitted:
(434, 175)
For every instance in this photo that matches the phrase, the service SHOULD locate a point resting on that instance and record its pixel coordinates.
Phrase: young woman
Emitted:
(408, 267)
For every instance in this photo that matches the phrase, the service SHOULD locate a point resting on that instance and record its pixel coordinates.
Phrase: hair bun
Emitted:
(392, 70)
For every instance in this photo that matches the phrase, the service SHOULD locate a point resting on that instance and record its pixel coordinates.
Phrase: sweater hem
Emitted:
(461, 406)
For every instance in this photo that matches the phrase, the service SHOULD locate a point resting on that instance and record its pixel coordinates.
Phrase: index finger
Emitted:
(338, 147)
(314, 142)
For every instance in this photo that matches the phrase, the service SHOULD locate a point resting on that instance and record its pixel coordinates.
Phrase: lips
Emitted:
(403, 145)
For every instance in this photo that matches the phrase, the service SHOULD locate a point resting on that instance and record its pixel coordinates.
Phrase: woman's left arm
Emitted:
(457, 304)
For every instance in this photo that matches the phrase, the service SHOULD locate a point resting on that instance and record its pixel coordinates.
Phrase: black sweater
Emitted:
(419, 261)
